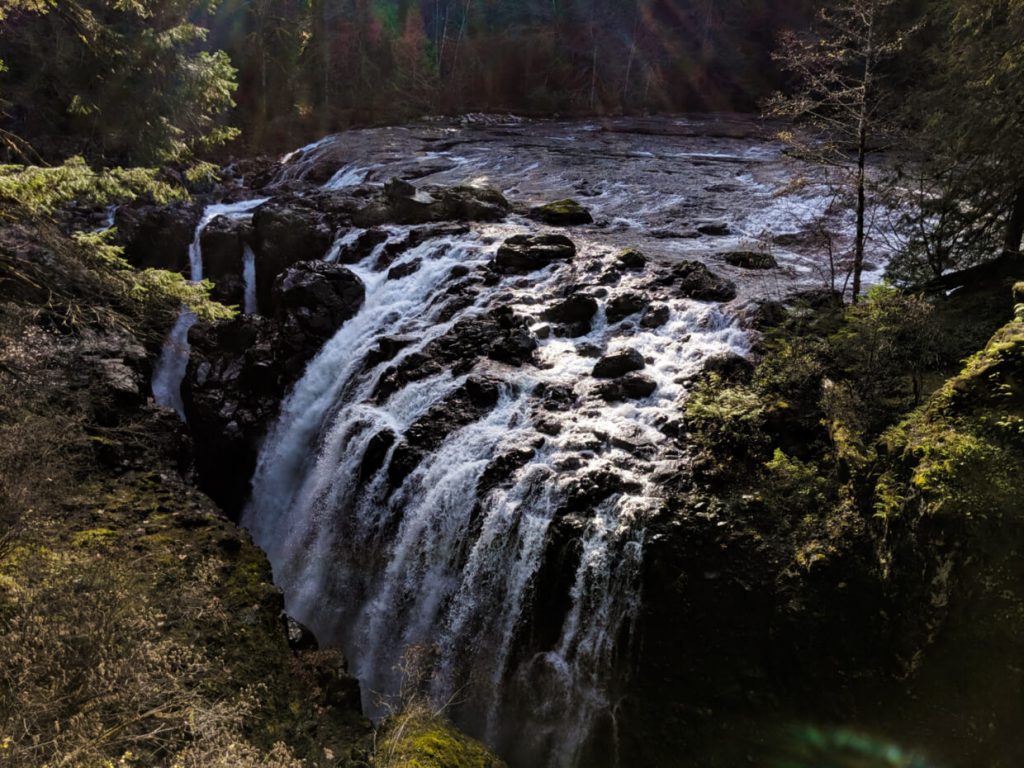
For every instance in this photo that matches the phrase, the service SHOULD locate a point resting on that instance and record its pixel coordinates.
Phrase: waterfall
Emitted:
(449, 557)
(249, 280)
(173, 361)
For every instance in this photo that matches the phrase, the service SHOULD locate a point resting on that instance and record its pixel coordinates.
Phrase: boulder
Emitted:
(311, 300)
(157, 236)
(750, 259)
(632, 258)
(632, 386)
(402, 203)
(362, 246)
(624, 305)
(223, 242)
(574, 313)
(655, 316)
(714, 229)
(528, 253)
(695, 281)
(561, 213)
(619, 364)
(285, 232)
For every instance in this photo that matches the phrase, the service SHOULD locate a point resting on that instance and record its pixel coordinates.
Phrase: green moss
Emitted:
(417, 738)
(94, 536)
(561, 213)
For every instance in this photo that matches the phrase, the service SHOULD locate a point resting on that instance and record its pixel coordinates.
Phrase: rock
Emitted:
(632, 258)
(574, 313)
(624, 305)
(619, 364)
(655, 316)
(416, 237)
(285, 232)
(223, 242)
(157, 236)
(528, 253)
(404, 270)
(696, 281)
(750, 259)
(235, 380)
(561, 213)
(714, 229)
(300, 637)
(632, 386)
(471, 402)
(313, 299)
(402, 203)
(362, 247)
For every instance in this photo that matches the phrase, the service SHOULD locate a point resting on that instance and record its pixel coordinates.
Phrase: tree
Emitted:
(839, 96)
(116, 79)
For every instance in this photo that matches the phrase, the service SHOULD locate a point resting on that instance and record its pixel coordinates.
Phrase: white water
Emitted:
(249, 280)
(173, 361)
(437, 564)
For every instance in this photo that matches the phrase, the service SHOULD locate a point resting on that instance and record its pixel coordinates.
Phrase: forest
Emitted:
(486, 383)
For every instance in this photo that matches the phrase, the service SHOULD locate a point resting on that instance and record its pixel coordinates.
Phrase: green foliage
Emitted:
(120, 80)
(729, 418)
(150, 287)
(39, 191)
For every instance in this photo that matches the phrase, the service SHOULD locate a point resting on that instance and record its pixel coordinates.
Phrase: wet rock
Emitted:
(312, 299)
(503, 468)
(695, 281)
(765, 314)
(632, 258)
(632, 386)
(574, 313)
(528, 253)
(386, 349)
(362, 247)
(404, 270)
(556, 397)
(471, 402)
(402, 203)
(714, 229)
(561, 213)
(375, 454)
(416, 237)
(286, 231)
(157, 236)
(619, 364)
(624, 305)
(235, 380)
(750, 259)
(655, 316)
(223, 242)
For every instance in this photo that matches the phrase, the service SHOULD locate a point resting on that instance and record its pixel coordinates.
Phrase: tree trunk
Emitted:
(1015, 224)
(858, 249)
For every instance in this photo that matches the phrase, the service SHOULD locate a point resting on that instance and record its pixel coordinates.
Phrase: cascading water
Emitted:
(249, 280)
(522, 583)
(173, 361)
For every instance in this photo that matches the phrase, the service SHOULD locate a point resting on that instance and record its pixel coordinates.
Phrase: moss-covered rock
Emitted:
(418, 738)
(561, 213)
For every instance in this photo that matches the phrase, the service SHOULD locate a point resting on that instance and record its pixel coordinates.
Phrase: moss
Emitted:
(93, 537)
(417, 738)
(561, 213)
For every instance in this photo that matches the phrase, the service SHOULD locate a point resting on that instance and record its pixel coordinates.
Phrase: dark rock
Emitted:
(750, 260)
(527, 253)
(624, 305)
(157, 236)
(502, 468)
(619, 364)
(416, 237)
(696, 281)
(362, 247)
(285, 232)
(655, 316)
(235, 380)
(312, 299)
(404, 270)
(402, 203)
(633, 259)
(466, 405)
(578, 308)
(300, 637)
(714, 229)
(223, 244)
(375, 454)
(632, 386)
(561, 213)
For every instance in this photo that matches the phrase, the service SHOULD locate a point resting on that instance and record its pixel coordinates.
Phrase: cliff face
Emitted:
(138, 625)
